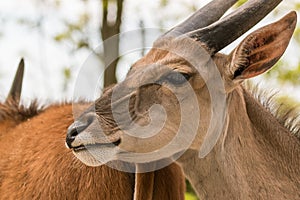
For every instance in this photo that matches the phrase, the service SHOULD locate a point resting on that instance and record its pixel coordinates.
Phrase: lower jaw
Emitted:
(86, 158)
(90, 146)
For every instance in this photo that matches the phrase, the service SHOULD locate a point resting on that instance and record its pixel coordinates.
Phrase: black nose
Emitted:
(79, 126)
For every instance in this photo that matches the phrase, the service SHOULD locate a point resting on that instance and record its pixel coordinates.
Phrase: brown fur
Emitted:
(35, 163)
(255, 155)
(11, 114)
(153, 180)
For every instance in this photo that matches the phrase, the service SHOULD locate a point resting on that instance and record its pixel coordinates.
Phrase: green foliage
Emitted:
(163, 3)
(63, 36)
(189, 196)
(67, 77)
(190, 193)
(297, 34)
(240, 2)
(67, 73)
(297, 6)
(75, 29)
(83, 43)
(287, 102)
(285, 74)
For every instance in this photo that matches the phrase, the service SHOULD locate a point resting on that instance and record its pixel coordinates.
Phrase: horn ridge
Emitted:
(223, 32)
(203, 17)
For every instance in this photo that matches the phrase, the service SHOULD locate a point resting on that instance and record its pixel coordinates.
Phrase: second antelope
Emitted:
(35, 164)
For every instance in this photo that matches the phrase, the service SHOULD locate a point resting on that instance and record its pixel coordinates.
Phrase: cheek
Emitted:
(146, 97)
(163, 126)
(160, 95)
(172, 103)
(157, 141)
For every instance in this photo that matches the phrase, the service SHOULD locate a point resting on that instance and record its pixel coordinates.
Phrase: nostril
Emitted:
(73, 132)
(116, 143)
(69, 141)
(78, 126)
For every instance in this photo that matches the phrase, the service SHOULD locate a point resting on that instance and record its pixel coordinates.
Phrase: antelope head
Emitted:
(175, 97)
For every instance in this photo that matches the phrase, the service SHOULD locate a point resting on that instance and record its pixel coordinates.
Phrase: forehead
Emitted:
(178, 54)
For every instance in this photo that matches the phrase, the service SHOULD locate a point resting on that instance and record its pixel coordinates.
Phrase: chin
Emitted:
(95, 157)
(86, 158)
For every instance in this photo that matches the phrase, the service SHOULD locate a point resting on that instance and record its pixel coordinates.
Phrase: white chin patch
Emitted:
(95, 156)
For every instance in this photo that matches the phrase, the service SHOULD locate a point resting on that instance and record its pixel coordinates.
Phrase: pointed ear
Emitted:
(259, 51)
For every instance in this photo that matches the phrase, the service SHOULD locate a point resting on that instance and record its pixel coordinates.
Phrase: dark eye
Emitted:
(177, 78)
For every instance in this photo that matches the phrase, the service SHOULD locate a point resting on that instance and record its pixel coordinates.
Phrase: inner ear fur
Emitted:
(259, 51)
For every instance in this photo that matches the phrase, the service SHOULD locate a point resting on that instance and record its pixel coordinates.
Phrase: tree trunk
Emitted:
(111, 49)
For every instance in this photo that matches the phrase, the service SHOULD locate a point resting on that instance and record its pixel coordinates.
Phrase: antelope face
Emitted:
(155, 108)
(175, 97)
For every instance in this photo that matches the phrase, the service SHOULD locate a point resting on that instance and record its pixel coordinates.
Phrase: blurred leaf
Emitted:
(193, 8)
(284, 75)
(67, 77)
(57, 3)
(297, 6)
(84, 19)
(189, 196)
(28, 22)
(75, 32)
(62, 36)
(240, 2)
(190, 193)
(74, 26)
(297, 34)
(83, 44)
(287, 102)
(67, 73)
(163, 3)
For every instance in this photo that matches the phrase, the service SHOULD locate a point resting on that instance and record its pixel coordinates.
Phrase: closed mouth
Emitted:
(100, 145)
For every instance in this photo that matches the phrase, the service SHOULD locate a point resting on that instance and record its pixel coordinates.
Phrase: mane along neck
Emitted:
(285, 112)
(14, 112)
(276, 134)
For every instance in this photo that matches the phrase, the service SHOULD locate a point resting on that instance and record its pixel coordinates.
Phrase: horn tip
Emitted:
(21, 63)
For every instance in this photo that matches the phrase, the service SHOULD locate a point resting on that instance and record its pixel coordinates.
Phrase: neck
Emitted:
(256, 158)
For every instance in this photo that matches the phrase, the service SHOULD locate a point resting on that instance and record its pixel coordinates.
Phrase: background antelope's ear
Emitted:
(259, 51)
